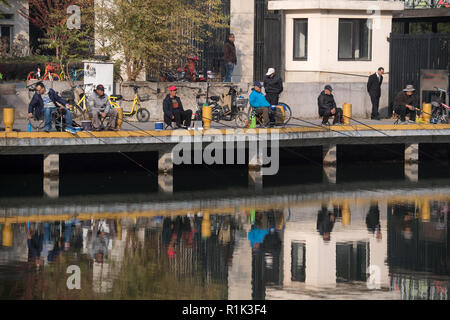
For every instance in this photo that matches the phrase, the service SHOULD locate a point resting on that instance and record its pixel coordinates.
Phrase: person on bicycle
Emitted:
(405, 102)
(259, 103)
(174, 112)
(99, 108)
(327, 106)
(273, 85)
(48, 102)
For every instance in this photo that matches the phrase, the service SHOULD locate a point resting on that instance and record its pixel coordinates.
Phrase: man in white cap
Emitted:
(273, 85)
(405, 102)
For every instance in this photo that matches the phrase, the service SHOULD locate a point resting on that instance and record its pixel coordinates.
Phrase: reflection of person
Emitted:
(373, 220)
(325, 223)
(99, 243)
(256, 236)
(403, 219)
(35, 241)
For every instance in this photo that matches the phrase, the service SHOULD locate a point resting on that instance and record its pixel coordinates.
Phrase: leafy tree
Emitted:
(51, 16)
(150, 34)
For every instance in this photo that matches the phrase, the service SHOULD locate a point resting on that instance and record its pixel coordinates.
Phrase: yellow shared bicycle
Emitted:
(142, 114)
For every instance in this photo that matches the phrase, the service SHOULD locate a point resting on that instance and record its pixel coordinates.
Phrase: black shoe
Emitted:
(375, 118)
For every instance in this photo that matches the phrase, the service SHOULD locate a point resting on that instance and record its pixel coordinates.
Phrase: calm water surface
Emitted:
(369, 236)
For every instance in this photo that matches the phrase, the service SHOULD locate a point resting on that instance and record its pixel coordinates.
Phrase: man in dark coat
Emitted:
(230, 58)
(173, 110)
(374, 90)
(46, 103)
(273, 86)
(327, 106)
(405, 103)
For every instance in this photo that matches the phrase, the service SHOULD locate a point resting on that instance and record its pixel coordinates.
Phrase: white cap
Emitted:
(270, 71)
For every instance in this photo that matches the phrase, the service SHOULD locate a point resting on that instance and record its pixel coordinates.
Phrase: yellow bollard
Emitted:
(8, 119)
(346, 215)
(7, 235)
(207, 116)
(426, 114)
(425, 212)
(347, 112)
(206, 226)
(119, 118)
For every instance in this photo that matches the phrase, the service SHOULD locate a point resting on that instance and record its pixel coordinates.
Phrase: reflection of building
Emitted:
(418, 245)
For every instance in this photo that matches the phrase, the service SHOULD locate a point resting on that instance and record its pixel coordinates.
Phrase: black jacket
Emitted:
(229, 52)
(273, 85)
(168, 107)
(326, 103)
(374, 86)
(38, 104)
(402, 99)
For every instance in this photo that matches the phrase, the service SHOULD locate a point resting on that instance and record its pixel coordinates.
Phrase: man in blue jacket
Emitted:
(47, 102)
(259, 102)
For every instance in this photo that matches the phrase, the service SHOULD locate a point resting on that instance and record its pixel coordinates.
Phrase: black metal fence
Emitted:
(411, 53)
(210, 51)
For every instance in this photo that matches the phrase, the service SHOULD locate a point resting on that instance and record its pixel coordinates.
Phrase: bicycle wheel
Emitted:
(31, 76)
(242, 120)
(143, 115)
(287, 112)
(52, 77)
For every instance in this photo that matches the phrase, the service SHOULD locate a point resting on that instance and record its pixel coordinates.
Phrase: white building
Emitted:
(321, 40)
(14, 28)
(312, 43)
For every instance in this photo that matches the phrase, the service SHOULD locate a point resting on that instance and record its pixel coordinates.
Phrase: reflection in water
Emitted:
(287, 250)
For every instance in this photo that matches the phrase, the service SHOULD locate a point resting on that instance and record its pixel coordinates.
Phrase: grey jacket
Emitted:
(99, 104)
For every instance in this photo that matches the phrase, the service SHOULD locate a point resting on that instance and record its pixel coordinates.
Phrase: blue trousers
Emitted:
(229, 70)
(48, 118)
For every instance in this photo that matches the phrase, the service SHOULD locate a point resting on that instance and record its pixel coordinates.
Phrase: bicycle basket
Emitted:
(241, 103)
(68, 95)
(52, 66)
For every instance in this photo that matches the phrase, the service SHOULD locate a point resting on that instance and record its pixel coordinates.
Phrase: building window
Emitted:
(6, 33)
(355, 39)
(300, 39)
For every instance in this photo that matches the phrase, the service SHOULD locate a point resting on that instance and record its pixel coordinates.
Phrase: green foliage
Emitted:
(150, 34)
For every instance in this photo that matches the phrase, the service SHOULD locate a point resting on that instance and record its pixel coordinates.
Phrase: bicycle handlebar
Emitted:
(440, 89)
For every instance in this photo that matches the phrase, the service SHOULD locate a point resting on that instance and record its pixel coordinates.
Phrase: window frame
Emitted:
(294, 57)
(360, 35)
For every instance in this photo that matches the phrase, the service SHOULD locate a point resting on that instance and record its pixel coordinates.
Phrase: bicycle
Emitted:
(78, 110)
(228, 107)
(440, 111)
(287, 114)
(74, 75)
(49, 74)
(142, 114)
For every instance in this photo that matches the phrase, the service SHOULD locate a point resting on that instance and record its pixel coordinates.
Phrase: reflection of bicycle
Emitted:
(50, 69)
(440, 111)
(142, 114)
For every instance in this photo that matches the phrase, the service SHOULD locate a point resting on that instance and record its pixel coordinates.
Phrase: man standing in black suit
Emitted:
(374, 89)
